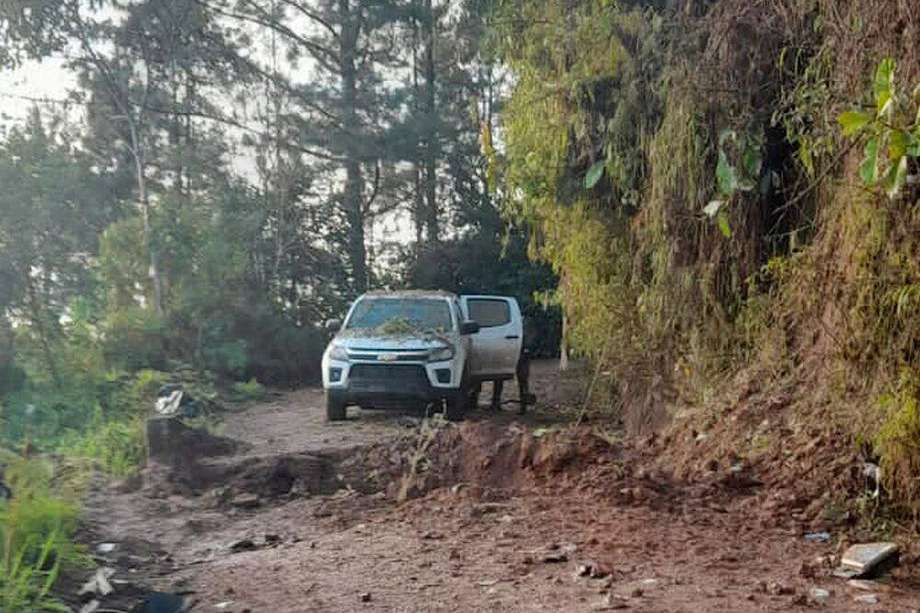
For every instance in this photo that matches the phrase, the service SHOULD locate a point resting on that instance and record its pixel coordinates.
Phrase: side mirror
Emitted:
(333, 324)
(468, 327)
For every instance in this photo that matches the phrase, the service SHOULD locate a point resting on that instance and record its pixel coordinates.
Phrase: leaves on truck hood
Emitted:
(397, 330)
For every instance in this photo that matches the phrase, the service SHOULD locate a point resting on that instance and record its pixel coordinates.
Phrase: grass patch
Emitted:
(247, 391)
(36, 538)
(118, 446)
(898, 443)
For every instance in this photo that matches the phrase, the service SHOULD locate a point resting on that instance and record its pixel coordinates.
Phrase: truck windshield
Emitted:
(401, 315)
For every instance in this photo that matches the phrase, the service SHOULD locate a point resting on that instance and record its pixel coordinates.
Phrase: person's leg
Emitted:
(523, 378)
(497, 395)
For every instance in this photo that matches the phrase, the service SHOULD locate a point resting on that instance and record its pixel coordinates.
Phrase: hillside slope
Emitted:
(740, 271)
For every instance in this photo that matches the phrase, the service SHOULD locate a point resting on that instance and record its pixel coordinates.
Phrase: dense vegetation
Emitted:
(222, 179)
(728, 192)
(217, 186)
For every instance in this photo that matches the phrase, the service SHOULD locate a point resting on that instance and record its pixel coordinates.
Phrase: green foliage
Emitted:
(248, 390)
(891, 127)
(806, 103)
(134, 338)
(897, 442)
(732, 178)
(594, 174)
(25, 584)
(36, 530)
(117, 445)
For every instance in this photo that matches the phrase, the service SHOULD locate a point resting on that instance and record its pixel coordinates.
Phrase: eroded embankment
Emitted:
(493, 457)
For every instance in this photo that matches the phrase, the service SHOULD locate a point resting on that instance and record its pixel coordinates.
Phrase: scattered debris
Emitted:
(868, 559)
(106, 547)
(873, 475)
(243, 545)
(99, 583)
(866, 586)
(365, 597)
(172, 400)
(583, 570)
(867, 599)
(90, 607)
(818, 537)
(775, 588)
(611, 602)
(819, 595)
(246, 501)
(161, 602)
(487, 582)
(223, 605)
(557, 553)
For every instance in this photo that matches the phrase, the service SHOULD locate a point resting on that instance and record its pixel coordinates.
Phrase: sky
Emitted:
(47, 79)
(50, 80)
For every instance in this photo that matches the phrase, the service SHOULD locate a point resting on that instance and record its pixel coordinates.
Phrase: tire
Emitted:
(455, 407)
(335, 408)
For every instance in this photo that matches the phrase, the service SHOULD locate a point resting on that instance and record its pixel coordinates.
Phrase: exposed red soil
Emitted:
(498, 514)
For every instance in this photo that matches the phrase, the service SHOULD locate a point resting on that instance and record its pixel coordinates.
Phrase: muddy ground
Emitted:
(389, 512)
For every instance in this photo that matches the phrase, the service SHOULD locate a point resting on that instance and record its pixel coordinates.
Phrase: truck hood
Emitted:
(356, 341)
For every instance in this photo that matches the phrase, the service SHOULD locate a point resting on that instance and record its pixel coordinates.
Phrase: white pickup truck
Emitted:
(421, 348)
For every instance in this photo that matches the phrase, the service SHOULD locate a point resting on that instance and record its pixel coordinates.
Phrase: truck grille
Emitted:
(408, 373)
(415, 356)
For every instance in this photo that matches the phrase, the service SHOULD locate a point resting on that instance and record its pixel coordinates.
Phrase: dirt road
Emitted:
(386, 513)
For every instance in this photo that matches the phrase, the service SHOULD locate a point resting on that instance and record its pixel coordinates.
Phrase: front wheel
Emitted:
(456, 405)
(335, 408)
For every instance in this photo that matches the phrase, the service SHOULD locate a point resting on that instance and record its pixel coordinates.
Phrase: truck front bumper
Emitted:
(390, 385)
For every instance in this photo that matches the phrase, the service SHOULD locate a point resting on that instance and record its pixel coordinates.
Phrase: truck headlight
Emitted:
(338, 353)
(441, 354)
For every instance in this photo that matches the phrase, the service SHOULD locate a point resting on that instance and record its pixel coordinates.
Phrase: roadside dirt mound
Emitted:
(811, 470)
(493, 458)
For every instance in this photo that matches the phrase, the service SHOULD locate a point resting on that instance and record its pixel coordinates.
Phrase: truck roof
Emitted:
(410, 293)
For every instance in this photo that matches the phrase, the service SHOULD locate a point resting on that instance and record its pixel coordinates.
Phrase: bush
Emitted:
(12, 378)
(36, 530)
(250, 390)
(229, 357)
(118, 446)
(898, 443)
(135, 338)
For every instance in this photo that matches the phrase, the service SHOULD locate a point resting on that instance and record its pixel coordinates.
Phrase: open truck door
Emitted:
(496, 348)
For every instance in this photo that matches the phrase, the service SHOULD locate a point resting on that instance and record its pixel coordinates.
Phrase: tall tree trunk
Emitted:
(431, 137)
(418, 204)
(143, 198)
(354, 183)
